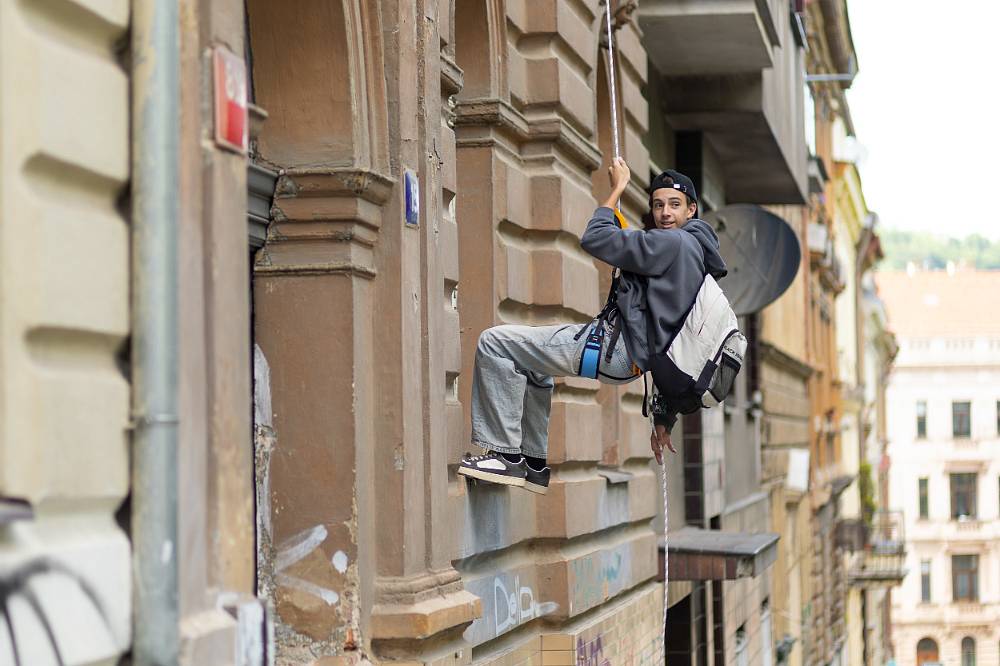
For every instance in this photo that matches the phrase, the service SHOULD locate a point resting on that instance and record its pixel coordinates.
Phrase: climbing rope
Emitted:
(613, 95)
(666, 553)
(616, 144)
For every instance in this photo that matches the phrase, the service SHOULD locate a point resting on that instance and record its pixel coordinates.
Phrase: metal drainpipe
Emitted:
(155, 160)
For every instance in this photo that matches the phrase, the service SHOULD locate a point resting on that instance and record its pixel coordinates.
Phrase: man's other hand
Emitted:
(659, 438)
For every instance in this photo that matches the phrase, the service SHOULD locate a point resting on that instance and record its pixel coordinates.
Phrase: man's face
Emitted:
(671, 209)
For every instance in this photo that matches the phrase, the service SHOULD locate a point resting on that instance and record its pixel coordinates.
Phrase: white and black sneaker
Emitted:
(536, 480)
(493, 467)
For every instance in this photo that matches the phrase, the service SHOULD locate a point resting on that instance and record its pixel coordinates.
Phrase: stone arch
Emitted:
(318, 71)
(481, 48)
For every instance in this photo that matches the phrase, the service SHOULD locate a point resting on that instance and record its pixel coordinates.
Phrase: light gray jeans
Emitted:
(513, 380)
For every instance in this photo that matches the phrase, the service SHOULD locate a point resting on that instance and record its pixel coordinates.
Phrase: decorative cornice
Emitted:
(314, 269)
(452, 77)
(551, 128)
(492, 112)
(775, 356)
(360, 182)
(421, 606)
(325, 221)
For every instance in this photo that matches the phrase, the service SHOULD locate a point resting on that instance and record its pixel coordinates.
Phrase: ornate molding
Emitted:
(368, 184)
(777, 357)
(422, 606)
(325, 221)
(522, 130)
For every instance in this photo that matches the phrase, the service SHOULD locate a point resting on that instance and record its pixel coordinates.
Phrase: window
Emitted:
(767, 640)
(968, 651)
(742, 648)
(921, 419)
(927, 651)
(925, 581)
(963, 496)
(922, 485)
(965, 577)
(961, 417)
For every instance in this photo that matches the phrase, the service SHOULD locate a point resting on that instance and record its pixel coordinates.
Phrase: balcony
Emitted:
(879, 563)
(733, 70)
(709, 37)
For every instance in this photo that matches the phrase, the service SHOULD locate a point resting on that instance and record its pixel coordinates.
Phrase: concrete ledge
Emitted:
(696, 554)
(426, 618)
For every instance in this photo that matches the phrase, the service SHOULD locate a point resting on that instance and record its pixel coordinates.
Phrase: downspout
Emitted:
(155, 159)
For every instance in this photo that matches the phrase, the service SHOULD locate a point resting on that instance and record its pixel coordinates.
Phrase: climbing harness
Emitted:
(590, 360)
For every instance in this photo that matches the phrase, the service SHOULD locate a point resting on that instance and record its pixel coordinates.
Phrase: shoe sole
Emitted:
(502, 479)
(536, 488)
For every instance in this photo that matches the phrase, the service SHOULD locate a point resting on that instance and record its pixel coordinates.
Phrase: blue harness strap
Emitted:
(591, 359)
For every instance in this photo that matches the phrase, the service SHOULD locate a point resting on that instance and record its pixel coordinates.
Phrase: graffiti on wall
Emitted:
(295, 550)
(591, 653)
(507, 603)
(598, 577)
(18, 583)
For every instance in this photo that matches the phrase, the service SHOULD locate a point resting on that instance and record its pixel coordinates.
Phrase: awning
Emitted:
(697, 554)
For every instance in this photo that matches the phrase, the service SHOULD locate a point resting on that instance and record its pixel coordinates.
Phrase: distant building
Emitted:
(944, 444)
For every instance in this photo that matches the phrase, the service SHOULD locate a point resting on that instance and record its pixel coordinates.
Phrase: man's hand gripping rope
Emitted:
(659, 438)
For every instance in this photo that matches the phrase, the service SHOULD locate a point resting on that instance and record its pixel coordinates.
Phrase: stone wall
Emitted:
(64, 322)
(497, 113)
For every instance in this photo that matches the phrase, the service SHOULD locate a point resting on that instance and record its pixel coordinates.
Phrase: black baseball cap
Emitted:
(674, 180)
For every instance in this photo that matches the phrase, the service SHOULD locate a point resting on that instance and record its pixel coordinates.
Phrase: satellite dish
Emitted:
(761, 251)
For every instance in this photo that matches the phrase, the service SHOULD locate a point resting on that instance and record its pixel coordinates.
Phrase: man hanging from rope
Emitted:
(662, 266)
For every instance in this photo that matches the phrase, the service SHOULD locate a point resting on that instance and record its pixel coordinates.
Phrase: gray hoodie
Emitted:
(661, 267)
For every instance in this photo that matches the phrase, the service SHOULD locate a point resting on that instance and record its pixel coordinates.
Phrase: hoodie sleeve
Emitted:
(633, 250)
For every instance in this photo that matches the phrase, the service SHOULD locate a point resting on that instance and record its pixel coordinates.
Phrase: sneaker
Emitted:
(493, 467)
(537, 481)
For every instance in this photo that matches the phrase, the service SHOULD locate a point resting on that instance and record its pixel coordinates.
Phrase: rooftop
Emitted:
(959, 303)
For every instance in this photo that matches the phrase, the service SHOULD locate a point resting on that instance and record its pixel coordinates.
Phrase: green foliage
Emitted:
(932, 252)
(866, 487)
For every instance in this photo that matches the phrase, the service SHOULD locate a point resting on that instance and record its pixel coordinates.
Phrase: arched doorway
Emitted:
(927, 651)
(968, 651)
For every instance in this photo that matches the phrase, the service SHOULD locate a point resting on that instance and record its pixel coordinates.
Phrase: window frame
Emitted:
(955, 434)
(968, 651)
(959, 482)
(923, 497)
(921, 419)
(971, 573)
(925, 581)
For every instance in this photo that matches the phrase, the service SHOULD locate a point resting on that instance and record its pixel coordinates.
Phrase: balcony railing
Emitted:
(880, 561)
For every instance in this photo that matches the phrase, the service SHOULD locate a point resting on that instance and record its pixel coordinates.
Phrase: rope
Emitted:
(666, 556)
(616, 143)
(613, 89)
(612, 81)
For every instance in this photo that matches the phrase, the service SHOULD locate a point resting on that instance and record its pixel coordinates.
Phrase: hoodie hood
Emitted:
(709, 241)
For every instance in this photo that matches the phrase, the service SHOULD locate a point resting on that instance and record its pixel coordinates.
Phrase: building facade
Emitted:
(413, 173)
(943, 405)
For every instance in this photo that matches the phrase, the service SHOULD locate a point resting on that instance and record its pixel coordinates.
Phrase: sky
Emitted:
(926, 109)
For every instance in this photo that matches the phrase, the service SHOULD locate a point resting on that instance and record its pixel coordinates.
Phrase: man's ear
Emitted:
(692, 210)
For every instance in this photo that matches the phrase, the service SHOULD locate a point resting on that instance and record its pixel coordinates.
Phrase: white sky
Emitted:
(926, 108)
